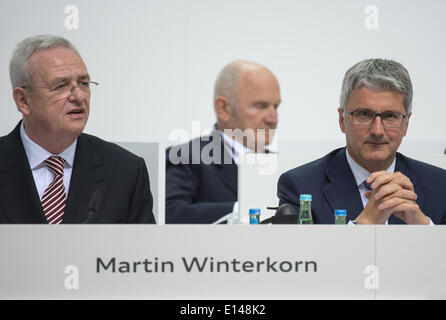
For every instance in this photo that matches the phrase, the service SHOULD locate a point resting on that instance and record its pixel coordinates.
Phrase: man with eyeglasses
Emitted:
(369, 178)
(51, 172)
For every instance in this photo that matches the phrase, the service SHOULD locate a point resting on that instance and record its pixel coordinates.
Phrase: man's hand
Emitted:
(392, 193)
(372, 214)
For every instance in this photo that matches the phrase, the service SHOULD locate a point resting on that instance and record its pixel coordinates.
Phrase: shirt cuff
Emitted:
(235, 208)
(350, 222)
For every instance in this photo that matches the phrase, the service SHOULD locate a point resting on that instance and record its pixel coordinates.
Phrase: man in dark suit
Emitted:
(50, 172)
(369, 178)
(201, 175)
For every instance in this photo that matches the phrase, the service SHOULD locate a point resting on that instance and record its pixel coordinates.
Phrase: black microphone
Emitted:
(94, 204)
(285, 214)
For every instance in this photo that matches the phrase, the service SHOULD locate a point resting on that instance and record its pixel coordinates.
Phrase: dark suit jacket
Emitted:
(331, 183)
(198, 191)
(120, 176)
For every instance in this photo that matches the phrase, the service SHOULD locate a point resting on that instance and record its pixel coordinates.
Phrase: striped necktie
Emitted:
(54, 198)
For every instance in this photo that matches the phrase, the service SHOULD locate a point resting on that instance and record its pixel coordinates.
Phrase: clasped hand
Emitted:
(391, 194)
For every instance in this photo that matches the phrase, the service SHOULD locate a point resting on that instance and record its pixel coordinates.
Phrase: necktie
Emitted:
(368, 186)
(54, 198)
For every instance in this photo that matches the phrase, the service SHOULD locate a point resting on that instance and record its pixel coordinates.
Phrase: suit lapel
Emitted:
(341, 190)
(228, 174)
(226, 171)
(88, 176)
(18, 193)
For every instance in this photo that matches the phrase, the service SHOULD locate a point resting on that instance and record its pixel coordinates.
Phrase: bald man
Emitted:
(201, 181)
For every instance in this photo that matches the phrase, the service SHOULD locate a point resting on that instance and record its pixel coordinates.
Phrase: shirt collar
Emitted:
(36, 154)
(236, 146)
(359, 172)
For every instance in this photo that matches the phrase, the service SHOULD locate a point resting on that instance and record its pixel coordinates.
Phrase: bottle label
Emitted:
(306, 221)
(340, 220)
(254, 219)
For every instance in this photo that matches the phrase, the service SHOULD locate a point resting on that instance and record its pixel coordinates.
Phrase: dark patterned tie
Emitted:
(54, 197)
(368, 186)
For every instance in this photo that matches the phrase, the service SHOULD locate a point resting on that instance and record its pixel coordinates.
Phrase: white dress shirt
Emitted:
(42, 175)
(235, 149)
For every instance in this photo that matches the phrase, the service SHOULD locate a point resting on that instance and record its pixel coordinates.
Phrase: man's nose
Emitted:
(377, 126)
(76, 94)
(272, 116)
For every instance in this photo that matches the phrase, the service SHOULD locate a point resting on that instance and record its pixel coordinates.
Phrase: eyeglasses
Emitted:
(390, 119)
(68, 88)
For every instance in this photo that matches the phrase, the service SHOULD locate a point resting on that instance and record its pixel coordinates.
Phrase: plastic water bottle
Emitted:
(305, 216)
(254, 216)
(340, 216)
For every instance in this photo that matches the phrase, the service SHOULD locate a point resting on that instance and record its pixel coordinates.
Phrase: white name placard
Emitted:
(221, 262)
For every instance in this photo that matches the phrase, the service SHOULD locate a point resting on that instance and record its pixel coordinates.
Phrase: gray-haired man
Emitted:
(51, 172)
(369, 178)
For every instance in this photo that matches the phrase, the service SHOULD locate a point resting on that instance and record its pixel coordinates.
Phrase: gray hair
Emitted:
(380, 75)
(18, 66)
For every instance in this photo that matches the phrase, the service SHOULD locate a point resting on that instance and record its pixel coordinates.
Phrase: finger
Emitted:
(374, 175)
(386, 190)
(379, 177)
(403, 180)
(398, 204)
(402, 193)
(396, 177)
(391, 203)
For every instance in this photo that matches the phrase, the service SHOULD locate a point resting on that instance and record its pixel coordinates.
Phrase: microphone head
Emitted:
(94, 202)
(286, 209)
(285, 214)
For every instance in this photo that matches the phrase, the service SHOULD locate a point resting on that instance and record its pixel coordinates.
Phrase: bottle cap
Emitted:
(305, 197)
(340, 212)
(254, 211)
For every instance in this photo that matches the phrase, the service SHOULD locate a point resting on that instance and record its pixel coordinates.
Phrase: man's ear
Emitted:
(341, 119)
(21, 100)
(222, 108)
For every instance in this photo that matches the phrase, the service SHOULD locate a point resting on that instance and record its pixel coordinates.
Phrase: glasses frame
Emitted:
(377, 114)
(53, 89)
